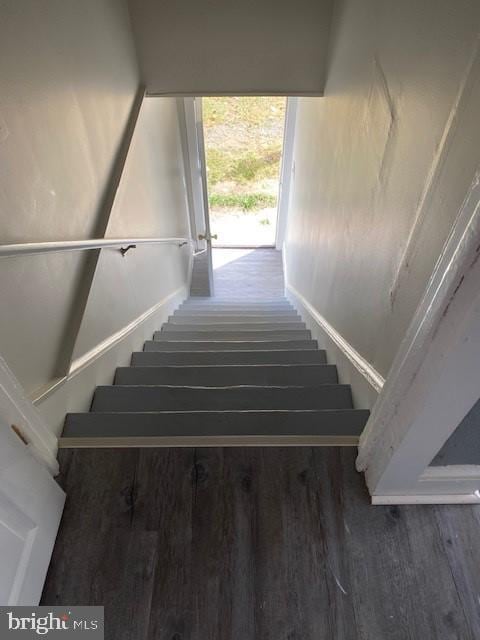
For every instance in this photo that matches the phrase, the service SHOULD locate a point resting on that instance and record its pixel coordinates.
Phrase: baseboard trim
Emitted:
(85, 360)
(100, 349)
(452, 472)
(74, 392)
(209, 441)
(371, 375)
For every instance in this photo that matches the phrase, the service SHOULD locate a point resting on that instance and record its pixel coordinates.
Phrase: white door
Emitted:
(31, 505)
(197, 177)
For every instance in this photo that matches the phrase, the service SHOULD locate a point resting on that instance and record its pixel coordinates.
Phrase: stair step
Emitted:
(171, 398)
(215, 428)
(247, 345)
(219, 325)
(236, 315)
(158, 358)
(217, 375)
(252, 335)
(241, 308)
(237, 301)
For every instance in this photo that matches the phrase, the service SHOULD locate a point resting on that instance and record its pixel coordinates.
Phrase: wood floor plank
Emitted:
(459, 527)
(165, 505)
(209, 501)
(250, 543)
(401, 580)
(98, 502)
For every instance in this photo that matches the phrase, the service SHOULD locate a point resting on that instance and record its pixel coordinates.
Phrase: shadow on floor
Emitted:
(248, 274)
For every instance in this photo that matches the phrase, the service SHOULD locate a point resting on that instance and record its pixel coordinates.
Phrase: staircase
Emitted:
(223, 372)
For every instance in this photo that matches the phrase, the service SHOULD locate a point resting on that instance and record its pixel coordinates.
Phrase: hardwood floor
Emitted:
(258, 544)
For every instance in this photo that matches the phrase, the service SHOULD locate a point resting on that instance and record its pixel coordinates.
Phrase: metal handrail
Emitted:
(58, 246)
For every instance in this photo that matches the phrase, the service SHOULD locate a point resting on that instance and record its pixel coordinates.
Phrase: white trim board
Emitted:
(74, 392)
(366, 382)
(209, 441)
(87, 359)
(286, 171)
(451, 484)
(434, 379)
(363, 366)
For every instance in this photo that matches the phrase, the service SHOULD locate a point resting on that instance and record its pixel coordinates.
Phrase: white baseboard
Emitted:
(451, 484)
(353, 369)
(97, 367)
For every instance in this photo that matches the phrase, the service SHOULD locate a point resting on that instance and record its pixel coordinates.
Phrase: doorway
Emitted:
(244, 137)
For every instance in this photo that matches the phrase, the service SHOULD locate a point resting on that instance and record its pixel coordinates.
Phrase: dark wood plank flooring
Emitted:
(258, 544)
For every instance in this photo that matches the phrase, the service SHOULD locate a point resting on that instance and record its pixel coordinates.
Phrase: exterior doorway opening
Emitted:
(244, 138)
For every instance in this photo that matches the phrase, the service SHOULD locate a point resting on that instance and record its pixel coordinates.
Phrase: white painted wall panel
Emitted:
(68, 77)
(68, 80)
(382, 164)
(151, 201)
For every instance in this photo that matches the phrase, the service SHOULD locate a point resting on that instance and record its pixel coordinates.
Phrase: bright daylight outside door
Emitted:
(243, 148)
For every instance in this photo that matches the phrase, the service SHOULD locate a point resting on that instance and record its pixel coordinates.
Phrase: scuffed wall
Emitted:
(68, 81)
(382, 164)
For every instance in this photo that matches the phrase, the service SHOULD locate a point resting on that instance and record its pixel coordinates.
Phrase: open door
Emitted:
(196, 177)
(31, 505)
(31, 502)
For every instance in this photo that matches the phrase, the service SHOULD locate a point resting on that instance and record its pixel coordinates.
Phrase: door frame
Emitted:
(31, 502)
(433, 381)
(287, 171)
(197, 150)
(191, 126)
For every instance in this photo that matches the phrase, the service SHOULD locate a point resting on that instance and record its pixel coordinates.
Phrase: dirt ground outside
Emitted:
(243, 144)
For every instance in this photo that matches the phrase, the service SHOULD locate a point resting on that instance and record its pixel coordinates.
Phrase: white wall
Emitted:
(68, 78)
(151, 202)
(201, 47)
(382, 164)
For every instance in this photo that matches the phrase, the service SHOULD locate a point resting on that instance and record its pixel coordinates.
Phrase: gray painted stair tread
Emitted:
(233, 326)
(171, 398)
(241, 309)
(269, 345)
(215, 318)
(243, 301)
(235, 316)
(215, 375)
(157, 358)
(234, 336)
(349, 422)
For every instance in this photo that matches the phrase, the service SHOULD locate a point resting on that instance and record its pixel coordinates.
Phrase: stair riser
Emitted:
(281, 345)
(236, 323)
(228, 375)
(234, 327)
(207, 399)
(234, 336)
(282, 423)
(237, 315)
(245, 308)
(155, 359)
